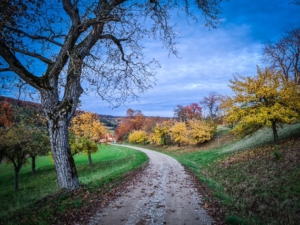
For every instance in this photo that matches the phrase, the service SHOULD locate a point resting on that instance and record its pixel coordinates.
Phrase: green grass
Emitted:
(256, 183)
(110, 163)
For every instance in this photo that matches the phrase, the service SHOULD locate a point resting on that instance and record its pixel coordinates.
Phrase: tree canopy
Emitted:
(265, 100)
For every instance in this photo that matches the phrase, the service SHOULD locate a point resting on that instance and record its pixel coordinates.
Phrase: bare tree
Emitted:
(212, 103)
(285, 55)
(63, 48)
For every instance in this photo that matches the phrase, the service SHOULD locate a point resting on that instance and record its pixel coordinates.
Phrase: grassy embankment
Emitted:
(256, 182)
(110, 166)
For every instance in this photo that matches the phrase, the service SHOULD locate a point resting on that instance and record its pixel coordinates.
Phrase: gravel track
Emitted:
(164, 194)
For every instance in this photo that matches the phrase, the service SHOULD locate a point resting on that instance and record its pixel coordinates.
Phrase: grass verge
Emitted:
(39, 200)
(256, 182)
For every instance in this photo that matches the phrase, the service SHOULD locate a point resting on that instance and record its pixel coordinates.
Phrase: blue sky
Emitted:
(209, 57)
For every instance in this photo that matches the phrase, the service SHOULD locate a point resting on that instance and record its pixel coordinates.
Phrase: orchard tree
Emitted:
(179, 133)
(134, 120)
(87, 128)
(200, 131)
(39, 144)
(183, 113)
(211, 102)
(6, 114)
(63, 48)
(265, 100)
(14, 142)
(162, 133)
(137, 136)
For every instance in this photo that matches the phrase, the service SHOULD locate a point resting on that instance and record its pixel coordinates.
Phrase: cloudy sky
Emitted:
(209, 57)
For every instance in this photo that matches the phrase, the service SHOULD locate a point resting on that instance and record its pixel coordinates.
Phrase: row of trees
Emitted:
(210, 103)
(268, 99)
(136, 128)
(23, 136)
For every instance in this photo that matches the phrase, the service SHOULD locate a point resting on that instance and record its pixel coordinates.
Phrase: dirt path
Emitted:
(164, 195)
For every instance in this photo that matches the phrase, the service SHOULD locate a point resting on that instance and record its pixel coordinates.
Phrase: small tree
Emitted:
(200, 131)
(179, 133)
(137, 136)
(87, 128)
(13, 145)
(265, 100)
(134, 120)
(161, 133)
(183, 113)
(39, 145)
(211, 102)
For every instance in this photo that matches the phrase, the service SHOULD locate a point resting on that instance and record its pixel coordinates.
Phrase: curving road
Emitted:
(163, 195)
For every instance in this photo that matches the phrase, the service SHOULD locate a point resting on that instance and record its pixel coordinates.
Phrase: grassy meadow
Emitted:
(39, 201)
(255, 181)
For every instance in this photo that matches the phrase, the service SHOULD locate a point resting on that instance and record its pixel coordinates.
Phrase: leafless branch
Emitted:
(18, 68)
(34, 37)
(117, 42)
(35, 55)
(5, 69)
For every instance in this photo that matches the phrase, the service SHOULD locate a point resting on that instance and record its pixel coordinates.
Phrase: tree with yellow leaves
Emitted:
(265, 100)
(161, 133)
(200, 130)
(137, 136)
(179, 133)
(87, 128)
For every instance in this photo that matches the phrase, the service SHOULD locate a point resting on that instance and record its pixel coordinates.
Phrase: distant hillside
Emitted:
(20, 102)
(109, 120)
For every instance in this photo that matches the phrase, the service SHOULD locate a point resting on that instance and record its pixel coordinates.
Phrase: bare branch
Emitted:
(72, 11)
(35, 55)
(35, 37)
(90, 22)
(5, 69)
(117, 42)
(18, 68)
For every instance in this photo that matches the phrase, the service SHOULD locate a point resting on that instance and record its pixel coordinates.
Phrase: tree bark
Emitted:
(16, 184)
(275, 134)
(63, 160)
(90, 159)
(33, 164)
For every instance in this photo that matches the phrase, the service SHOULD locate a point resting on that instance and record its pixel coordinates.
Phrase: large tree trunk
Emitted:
(275, 134)
(63, 159)
(59, 114)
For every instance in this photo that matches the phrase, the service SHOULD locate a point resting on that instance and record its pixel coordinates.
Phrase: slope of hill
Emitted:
(109, 120)
(248, 181)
